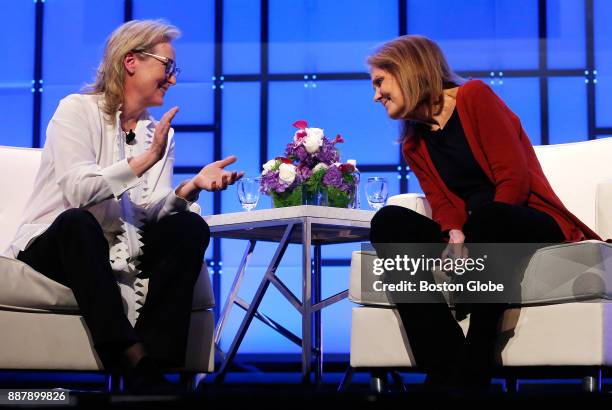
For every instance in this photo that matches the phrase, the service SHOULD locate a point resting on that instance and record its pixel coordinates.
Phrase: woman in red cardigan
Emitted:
(480, 174)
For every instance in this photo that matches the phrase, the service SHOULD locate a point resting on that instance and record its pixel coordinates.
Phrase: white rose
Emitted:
(286, 173)
(267, 167)
(313, 140)
(319, 166)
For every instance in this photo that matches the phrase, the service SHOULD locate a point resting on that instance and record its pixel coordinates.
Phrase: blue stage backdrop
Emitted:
(253, 67)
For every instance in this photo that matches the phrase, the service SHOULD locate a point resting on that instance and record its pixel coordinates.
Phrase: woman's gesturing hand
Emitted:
(213, 177)
(160, 137)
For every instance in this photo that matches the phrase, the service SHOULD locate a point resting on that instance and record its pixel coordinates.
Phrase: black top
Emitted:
(454, 161)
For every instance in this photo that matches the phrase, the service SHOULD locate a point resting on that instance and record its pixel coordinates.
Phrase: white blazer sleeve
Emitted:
(82, 181)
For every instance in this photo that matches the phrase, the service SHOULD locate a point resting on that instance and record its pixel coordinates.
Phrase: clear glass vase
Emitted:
(316, 197)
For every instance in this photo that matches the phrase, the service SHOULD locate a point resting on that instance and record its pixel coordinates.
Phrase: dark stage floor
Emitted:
(285, 390)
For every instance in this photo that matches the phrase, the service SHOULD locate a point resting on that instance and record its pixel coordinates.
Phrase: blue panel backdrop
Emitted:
(17, 44)
(504, 37)
(74, 36)
(327, 36)
(603, 62)
(241, 36)
(240, 128)
(16, 74)
(567, 101)
(566, 35)
(193, 149)
(16, 115)
(16, 97)
(339, 107)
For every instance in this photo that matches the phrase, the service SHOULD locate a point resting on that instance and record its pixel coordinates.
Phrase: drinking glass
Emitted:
(376, 192)
(248, 192)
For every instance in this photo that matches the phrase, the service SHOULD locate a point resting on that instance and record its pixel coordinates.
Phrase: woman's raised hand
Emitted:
(160, 137)
(143, 162)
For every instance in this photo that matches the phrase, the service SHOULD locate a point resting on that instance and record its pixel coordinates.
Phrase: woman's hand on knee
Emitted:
(456, 236)
(456, 248)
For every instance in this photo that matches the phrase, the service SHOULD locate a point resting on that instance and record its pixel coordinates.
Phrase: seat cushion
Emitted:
(378, 338)
(568, 334)
(51, 341)
(25, 289)
(561, 273)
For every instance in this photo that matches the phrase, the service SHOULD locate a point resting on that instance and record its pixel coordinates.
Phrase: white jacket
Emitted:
(84, 165)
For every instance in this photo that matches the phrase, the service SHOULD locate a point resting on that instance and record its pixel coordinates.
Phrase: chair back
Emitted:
(574, 170)
(18, 168)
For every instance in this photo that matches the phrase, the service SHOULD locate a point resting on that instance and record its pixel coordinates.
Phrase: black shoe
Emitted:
(147, 378)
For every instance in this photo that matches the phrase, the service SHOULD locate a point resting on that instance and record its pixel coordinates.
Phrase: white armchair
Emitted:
(564, 319)
(41, 328)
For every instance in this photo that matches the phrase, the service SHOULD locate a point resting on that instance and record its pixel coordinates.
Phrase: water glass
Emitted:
(376, 192)
(248, 192)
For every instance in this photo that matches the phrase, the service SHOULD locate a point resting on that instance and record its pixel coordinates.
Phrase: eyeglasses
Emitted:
(171, 68)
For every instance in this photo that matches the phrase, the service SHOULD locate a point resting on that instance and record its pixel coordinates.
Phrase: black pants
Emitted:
(74, 252)
(447, 356)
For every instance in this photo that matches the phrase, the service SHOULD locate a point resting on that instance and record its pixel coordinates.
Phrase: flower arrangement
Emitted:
(310, 169)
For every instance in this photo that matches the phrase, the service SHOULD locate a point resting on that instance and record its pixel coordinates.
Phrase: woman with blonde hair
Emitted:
(480, 174)
(104, 219)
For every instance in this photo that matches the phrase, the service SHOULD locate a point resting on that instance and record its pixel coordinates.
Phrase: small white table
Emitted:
(311, 226)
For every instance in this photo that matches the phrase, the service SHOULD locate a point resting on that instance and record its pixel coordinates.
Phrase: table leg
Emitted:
(306, 301)
(254, 305)
(316, 298)
(231, 298)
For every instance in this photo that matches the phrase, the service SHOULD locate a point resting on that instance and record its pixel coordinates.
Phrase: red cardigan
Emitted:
(503, 150)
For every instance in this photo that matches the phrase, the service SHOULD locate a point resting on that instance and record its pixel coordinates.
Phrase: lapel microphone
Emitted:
(130, 136)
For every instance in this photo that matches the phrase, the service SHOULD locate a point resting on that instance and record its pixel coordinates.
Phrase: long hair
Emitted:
(422, 72)
(142, 35)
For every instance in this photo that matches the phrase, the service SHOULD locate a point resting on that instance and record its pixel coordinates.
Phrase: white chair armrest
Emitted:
(416, 202)
(603, 209)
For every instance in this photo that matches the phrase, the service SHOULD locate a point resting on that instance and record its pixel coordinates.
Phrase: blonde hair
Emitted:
(141, 35)
(422, 72)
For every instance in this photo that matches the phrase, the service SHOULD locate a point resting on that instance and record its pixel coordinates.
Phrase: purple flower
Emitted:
(333, 177)
(328, 153)
(271, 182)
(301, 154)
(304, 172)
(296, 151)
